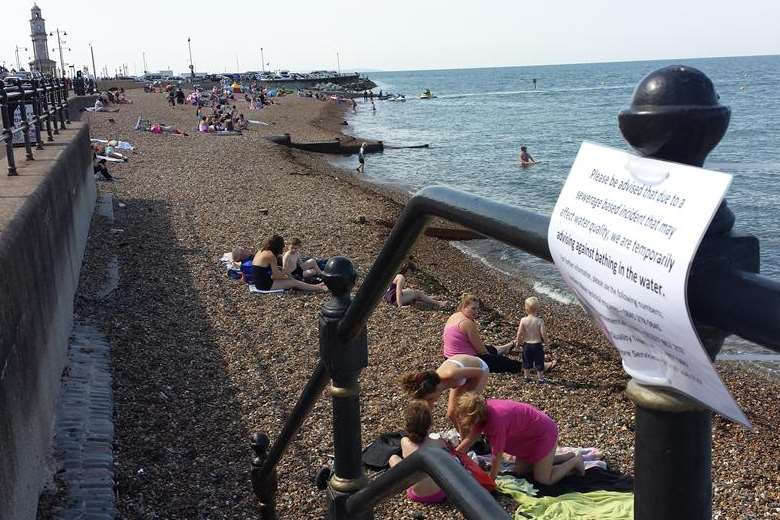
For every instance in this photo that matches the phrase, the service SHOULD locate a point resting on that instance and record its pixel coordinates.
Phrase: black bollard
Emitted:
(343, 360)
(675, 116)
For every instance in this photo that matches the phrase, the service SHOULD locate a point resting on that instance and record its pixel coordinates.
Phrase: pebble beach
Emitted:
(200, 364)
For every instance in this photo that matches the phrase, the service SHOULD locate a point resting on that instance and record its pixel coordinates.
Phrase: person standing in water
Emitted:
(362, 159)
(534, 83)
(525, 157)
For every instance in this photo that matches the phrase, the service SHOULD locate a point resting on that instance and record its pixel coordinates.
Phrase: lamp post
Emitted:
(18, 63)
(143, 54)
(59, 47)
(94, 70)
(262, 60)
(192, 67)
(338, 63)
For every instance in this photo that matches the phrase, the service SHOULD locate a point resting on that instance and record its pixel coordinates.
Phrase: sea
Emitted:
(480, 118)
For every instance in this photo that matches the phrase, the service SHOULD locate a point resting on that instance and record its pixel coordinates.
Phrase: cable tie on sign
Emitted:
(646, 174)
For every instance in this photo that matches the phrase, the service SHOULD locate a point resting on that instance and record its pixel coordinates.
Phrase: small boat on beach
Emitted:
(427, 94)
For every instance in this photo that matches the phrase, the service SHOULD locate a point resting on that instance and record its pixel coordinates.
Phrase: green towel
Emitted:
(509, 485)
(596, 505)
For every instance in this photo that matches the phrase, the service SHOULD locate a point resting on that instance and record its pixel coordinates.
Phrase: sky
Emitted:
(304, 35)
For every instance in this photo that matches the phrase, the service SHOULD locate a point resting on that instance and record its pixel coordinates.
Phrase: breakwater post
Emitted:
(675, 116)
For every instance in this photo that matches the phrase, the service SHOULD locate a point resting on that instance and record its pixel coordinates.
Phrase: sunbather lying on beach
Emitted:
(298, 266)
(461, 336)
(268, 275)
(99, 107)
(418, 423)
(398, 294)
(458, 374)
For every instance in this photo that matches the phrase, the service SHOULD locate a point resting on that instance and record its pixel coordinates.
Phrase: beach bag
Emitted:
(480, 475)
(246, 269)
(377, 455)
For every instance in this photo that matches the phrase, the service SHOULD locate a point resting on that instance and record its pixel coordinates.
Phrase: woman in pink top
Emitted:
(461, 336)
(517, 429)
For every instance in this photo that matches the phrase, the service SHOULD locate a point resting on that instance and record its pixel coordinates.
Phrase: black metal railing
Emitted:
(42, 106)
(674, 116)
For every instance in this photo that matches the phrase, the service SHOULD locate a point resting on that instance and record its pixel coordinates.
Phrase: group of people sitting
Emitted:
(516, 429)
(222, 119)
(276, 266)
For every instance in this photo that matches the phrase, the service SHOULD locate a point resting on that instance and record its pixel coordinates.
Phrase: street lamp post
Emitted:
(18, 63)
(144, 57)
(94, 71)
(59, 47)
(192, 67)
(262, 60)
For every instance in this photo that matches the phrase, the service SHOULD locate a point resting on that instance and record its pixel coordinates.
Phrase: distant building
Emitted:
(41, 63)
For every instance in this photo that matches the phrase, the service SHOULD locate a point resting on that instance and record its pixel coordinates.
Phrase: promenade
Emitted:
(199, 364)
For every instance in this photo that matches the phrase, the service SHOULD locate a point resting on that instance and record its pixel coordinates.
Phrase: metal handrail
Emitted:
(471, 499)
(48, 98)
(728, 298)
(515, 226)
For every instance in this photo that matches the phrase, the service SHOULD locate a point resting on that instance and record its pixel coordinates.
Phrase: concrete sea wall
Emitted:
(44, 222)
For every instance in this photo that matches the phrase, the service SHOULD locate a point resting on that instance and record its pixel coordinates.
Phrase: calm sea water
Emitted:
(481, 117)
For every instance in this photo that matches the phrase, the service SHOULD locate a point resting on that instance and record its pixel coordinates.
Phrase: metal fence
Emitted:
(29, 108)
(674, 115)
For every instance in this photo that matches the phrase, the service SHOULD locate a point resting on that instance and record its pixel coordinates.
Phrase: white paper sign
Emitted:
(623, 235)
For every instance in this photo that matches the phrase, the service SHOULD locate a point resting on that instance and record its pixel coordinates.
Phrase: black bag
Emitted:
(376, 456)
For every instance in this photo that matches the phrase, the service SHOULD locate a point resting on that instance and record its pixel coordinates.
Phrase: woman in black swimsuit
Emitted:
(267, 273)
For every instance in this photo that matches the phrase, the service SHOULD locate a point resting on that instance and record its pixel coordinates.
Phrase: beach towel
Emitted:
(258, 122)
(255, 290)
(110, 159)
(119, 145)
(604, 505)
(226, 259)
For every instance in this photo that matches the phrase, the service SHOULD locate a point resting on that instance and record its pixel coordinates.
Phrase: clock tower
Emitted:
(41, 62)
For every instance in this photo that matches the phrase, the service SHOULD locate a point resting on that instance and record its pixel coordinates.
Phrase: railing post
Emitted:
(36, 100)
(675, 116)
(21, 102)
(65, 99)
(46, 109)
(7, 120)
(58, 103)
(54, 108)
(343, 359)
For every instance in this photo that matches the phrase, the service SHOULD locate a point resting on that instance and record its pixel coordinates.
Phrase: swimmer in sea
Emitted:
(525, 157)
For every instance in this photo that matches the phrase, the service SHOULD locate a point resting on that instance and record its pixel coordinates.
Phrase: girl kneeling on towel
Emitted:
(517, 429)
